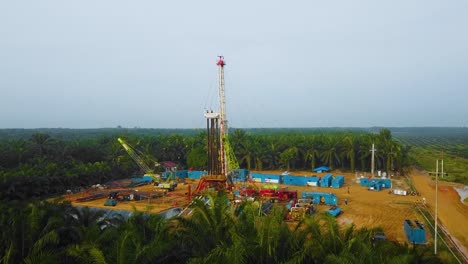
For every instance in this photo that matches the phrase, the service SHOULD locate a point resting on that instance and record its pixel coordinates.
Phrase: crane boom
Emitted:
(133, 154)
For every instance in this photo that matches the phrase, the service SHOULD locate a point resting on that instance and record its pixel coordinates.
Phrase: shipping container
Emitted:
(338, 182)
(415, 231)
(294, 180)
(313, 181)
(269, 178)
(196, 174)
(334, 211)
(326, 180)
(321, 197)
(240, 175)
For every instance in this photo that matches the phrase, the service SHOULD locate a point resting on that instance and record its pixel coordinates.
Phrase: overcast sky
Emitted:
(152, 64)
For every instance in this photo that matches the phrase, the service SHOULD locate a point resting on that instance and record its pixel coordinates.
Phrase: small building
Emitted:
(169, 166)
(338, 181)
(326, 180)
(415, 231)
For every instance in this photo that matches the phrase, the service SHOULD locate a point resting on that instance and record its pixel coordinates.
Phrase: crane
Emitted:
(133, 154)
(136, 156)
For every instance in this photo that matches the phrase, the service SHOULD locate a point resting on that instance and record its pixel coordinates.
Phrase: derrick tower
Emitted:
(216, 125)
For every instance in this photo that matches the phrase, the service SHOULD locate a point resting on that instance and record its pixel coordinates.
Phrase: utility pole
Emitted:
(441, 162)
(373, 160)
(391, 165)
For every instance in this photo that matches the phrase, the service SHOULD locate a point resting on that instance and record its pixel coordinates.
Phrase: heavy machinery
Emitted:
(300, 209)
(167, 184)
(281, 194)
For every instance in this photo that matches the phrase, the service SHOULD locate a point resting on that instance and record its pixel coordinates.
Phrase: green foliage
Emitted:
(40, 232)
(47, 164)
(455, 167)
(429, 144)
(196, 158)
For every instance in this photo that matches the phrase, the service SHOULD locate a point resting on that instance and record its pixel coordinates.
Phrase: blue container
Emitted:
(338, 182)
(326, 180)
(196, 174)
(269, 178)
(144, 179)
(312, 181)
(335, 211)
(415, 231)
(295, 180)
(321, 198)
(322, 169)
(377, 184)
(385, 183)
(364, 182)
(181, 174)
(240, 175)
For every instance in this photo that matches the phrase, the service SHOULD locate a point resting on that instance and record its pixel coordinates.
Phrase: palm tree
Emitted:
(209, 228)
(41, 142)
(289, 156)
(272, 154)
(349, 150)
(20, 148)
(365, 144)
(309, 150)
(330, 152)
(144, 238)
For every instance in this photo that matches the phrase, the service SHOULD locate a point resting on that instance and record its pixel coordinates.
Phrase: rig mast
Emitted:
(223, 120)
(216, 125)
(221, 158)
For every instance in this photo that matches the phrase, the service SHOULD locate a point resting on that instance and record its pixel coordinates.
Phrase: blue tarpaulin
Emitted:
(322, 168)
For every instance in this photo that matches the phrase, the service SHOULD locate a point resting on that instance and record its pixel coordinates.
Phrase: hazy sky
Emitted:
(103, 63)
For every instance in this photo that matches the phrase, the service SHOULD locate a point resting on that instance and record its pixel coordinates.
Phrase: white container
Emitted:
(400, 192)
(272, 180)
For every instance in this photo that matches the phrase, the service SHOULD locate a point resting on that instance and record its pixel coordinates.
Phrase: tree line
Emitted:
(45, 165)
(43, 232)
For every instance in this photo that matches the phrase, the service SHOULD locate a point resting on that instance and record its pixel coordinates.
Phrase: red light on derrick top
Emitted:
(221, 61)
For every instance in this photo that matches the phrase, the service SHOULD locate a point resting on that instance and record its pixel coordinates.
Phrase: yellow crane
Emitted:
(135, 154)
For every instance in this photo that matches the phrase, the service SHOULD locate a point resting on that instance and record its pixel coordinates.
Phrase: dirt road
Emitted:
(452, 213)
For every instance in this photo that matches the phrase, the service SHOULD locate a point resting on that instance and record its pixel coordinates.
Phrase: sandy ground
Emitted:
(452, 213)
(369, 208)
(177, 198)
(364, 209)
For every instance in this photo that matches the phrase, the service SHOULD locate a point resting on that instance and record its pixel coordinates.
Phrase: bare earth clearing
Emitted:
(364, 209)
(452, 213)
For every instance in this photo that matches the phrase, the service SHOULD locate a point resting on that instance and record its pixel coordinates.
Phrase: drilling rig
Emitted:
(221, 158)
